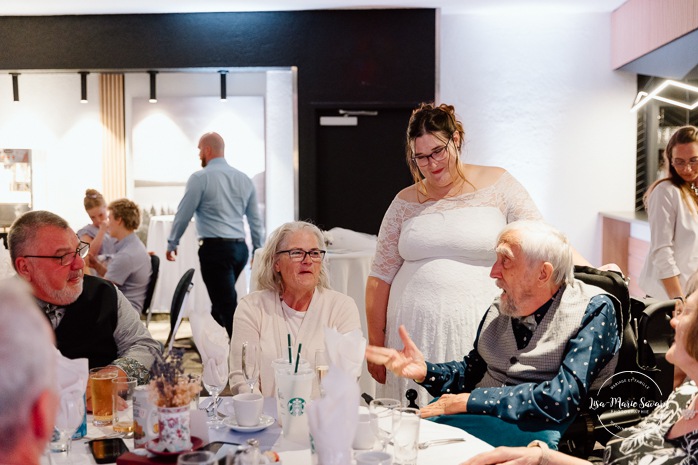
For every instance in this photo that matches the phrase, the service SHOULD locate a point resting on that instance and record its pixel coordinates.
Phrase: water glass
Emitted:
(406, 436)
(123, 404)
(383, 421)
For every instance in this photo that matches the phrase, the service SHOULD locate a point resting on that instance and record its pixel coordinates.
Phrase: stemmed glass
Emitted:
(250, 363)
(322, 366)
(71, 412)
(383, 422)
(210, 375)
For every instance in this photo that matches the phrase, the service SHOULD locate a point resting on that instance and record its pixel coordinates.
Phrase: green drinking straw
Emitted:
(298, 357)
(290, 355)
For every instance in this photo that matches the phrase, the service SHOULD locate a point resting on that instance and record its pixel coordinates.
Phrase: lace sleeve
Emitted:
(387, 260)
(517, 203)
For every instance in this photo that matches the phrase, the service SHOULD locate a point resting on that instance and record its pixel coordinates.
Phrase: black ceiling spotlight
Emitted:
(15, 86)
(153, 87)
(83, 86)
(224, 85)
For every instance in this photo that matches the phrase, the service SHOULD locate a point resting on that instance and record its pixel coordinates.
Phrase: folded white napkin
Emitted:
(346, 351)
(333, 418)
(211, 340)
(71, 376)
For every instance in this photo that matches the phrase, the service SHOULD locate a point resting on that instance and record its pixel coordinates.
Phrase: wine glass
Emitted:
(71, 412)
(322, 366)
(215, 378)
(250, 363)
(383, 422)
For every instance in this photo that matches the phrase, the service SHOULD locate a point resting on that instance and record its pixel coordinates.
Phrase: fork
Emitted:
(434, 442)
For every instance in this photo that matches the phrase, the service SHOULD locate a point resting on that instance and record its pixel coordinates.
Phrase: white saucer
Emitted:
(265, 421)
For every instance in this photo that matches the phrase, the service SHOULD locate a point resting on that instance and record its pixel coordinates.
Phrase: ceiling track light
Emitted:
(644, 97)
(15, 86)
(83, 86)
(224, 85)
(153, 87)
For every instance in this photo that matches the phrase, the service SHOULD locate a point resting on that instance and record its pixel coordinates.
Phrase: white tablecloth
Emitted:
(348, 273)
(292, 453)
(170, 272)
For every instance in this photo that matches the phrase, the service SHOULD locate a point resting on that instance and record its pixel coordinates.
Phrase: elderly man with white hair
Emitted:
(28, 399)
(541, 346)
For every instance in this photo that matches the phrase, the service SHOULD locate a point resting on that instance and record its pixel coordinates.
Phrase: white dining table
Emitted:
(292, 453)
(170, 272)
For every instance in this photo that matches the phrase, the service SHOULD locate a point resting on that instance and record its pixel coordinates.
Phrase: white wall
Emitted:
(66, 136)
(534, 90)
(537, 96)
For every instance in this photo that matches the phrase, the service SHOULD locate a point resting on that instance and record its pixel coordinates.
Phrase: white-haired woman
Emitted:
(294, 298)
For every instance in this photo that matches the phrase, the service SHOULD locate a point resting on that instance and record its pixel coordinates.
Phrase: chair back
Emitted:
(183, 287)
(645, 335)
(150, 290)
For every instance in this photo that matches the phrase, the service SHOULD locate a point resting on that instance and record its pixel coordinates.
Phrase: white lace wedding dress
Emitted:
(437, 257)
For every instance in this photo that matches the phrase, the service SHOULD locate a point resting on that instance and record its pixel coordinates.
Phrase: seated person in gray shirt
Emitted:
(129, 267)
(539, 349)
(90, 317)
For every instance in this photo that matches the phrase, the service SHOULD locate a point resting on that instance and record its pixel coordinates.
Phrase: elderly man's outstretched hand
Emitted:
(407, 363)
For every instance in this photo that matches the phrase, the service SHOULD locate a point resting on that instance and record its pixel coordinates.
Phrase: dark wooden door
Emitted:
(360, 168)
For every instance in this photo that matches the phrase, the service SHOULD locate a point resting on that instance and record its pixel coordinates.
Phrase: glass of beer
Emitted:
(123, 404)
(102, 392)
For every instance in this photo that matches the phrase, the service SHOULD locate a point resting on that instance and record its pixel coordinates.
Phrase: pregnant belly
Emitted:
(443, 287)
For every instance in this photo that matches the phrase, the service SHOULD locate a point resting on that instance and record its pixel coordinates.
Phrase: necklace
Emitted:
(694, 189)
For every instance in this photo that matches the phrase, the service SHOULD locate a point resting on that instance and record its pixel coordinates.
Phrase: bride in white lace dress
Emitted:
(436, 247)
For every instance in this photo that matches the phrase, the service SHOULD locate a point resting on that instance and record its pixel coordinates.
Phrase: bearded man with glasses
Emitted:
(91, 318)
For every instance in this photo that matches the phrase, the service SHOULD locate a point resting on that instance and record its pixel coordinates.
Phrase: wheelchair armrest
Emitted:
(654, 334)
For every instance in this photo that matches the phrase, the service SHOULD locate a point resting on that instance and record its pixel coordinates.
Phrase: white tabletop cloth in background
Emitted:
(170, 272)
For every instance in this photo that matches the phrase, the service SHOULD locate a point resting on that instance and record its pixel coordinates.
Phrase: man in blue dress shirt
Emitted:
(544, 342)
(219, 196)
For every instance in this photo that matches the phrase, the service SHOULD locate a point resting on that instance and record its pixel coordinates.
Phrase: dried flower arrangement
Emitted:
(169, 386)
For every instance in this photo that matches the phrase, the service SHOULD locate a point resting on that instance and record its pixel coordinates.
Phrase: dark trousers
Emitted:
(221, 264)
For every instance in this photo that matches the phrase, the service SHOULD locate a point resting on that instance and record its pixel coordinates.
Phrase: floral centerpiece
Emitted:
(171, 391)
(169, 386)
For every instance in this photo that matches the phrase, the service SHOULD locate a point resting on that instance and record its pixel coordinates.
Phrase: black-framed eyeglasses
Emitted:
(679, 163)
(298, 255)
(437, 155)
(67, 259)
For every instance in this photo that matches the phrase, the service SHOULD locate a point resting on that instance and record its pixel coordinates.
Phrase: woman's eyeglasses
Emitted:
(298, 255)
(679, 163)
(437, 155)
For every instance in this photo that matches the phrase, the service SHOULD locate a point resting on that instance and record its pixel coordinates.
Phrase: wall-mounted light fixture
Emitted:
(671, 92)
(83, 86)
(153, 87)
(15, 86)
(224, 85)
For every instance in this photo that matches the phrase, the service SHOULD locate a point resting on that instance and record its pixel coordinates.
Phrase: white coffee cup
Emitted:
(248, 408)
(364, 438)
(374, 458)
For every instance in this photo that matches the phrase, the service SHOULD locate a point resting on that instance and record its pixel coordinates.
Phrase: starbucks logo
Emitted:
(296, 406)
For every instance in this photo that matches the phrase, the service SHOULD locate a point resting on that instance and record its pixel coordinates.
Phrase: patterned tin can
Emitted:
(145, 418)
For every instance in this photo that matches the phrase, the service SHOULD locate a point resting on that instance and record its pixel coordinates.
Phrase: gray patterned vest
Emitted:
(540, 360)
